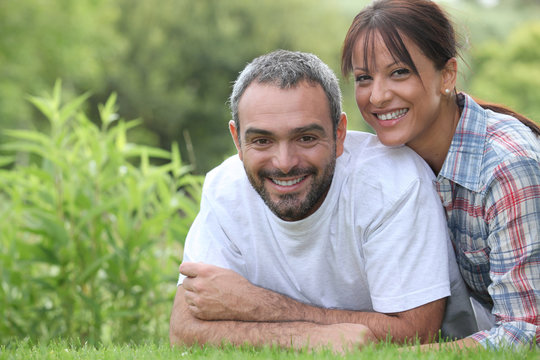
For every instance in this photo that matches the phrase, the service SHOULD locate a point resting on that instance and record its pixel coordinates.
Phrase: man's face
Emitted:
(287, 146)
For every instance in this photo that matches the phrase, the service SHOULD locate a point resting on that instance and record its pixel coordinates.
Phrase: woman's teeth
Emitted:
(392, 115)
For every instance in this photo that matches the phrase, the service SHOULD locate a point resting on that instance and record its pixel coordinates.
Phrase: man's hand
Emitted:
(214, 293)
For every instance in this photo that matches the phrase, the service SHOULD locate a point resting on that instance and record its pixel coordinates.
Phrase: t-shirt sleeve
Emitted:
(207, 242)
(406, 251)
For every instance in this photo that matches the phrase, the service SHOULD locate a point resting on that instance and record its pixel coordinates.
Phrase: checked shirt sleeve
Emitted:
(513, 216)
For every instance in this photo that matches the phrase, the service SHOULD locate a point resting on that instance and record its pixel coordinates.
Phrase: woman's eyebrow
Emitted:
(396, 62)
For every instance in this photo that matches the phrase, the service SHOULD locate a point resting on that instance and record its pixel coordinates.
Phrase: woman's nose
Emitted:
(380, 93)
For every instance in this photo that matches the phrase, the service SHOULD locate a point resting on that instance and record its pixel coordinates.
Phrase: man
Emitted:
(313, 236)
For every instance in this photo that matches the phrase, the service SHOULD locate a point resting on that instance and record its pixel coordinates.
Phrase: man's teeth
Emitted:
(288, 182)
(392, 115)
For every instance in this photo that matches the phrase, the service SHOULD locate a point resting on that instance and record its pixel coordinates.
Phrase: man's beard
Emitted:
(289, 207)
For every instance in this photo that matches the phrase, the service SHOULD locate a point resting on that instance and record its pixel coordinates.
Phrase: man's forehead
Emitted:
(271, 99)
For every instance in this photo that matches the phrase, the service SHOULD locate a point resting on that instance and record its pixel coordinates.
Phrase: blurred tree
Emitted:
(171, 62)
(182, 57)
(483, 23)
(508, 71)
(41, 41)
(493, 3)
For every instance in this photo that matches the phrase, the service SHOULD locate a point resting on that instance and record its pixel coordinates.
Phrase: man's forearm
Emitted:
(188, 330)
(214, 293)
(422, 322)
(286, 335)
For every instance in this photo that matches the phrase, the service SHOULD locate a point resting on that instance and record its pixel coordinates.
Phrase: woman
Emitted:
(402, 54)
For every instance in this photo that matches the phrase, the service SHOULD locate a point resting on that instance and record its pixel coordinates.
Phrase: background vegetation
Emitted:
(94, 208)
(172, 62)
(90, 229)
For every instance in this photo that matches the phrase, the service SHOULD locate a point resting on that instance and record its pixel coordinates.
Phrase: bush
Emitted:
(90, 231)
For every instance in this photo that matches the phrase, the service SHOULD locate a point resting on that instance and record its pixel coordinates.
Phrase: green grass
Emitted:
(66, 350)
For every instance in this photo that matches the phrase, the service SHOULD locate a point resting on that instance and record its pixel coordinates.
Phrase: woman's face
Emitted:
(402, 107)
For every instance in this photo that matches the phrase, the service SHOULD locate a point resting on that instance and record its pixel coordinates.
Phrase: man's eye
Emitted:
(307, 138)
(261, 142)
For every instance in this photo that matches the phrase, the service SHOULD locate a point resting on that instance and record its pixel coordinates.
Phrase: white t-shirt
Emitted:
(378, 242)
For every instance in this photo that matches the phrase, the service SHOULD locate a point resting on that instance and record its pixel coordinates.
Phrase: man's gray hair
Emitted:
(287, 69)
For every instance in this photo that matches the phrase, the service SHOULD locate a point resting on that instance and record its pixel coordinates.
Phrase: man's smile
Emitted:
(287, 182)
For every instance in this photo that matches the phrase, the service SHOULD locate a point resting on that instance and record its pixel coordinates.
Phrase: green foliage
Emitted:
(171, 63)
(507, 71)
(41, 41)
(90, 230)
(182, 57)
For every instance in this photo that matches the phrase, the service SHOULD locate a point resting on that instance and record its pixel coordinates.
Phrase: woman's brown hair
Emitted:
(421, 21)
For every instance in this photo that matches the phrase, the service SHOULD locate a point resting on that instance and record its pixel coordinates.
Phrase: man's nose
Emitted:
(286, 157)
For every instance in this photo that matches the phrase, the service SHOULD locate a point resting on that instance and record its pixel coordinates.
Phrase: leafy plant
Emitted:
(90, 230)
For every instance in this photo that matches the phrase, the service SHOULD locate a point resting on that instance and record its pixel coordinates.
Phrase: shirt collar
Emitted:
(463, 163)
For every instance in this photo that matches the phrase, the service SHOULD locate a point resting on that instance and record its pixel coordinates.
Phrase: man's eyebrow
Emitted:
(256, 131)
(300, 130)
(307, 128)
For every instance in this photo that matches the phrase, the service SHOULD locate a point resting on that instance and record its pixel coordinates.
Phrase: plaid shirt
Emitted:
(490, 187)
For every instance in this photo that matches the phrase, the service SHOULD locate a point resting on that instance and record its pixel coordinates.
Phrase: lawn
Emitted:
(65, 350)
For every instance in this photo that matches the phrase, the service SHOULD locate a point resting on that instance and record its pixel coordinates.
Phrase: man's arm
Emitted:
(214, 293)
(185, 329)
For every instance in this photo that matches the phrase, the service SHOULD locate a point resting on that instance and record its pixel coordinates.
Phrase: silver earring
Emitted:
(447, 91)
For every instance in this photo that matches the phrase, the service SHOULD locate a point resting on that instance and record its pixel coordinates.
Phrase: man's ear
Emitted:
(341, 133)
(234, 134)
(449, 75)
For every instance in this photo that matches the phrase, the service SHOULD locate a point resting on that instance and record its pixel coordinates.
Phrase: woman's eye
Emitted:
(362, 78)
(401, 72)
